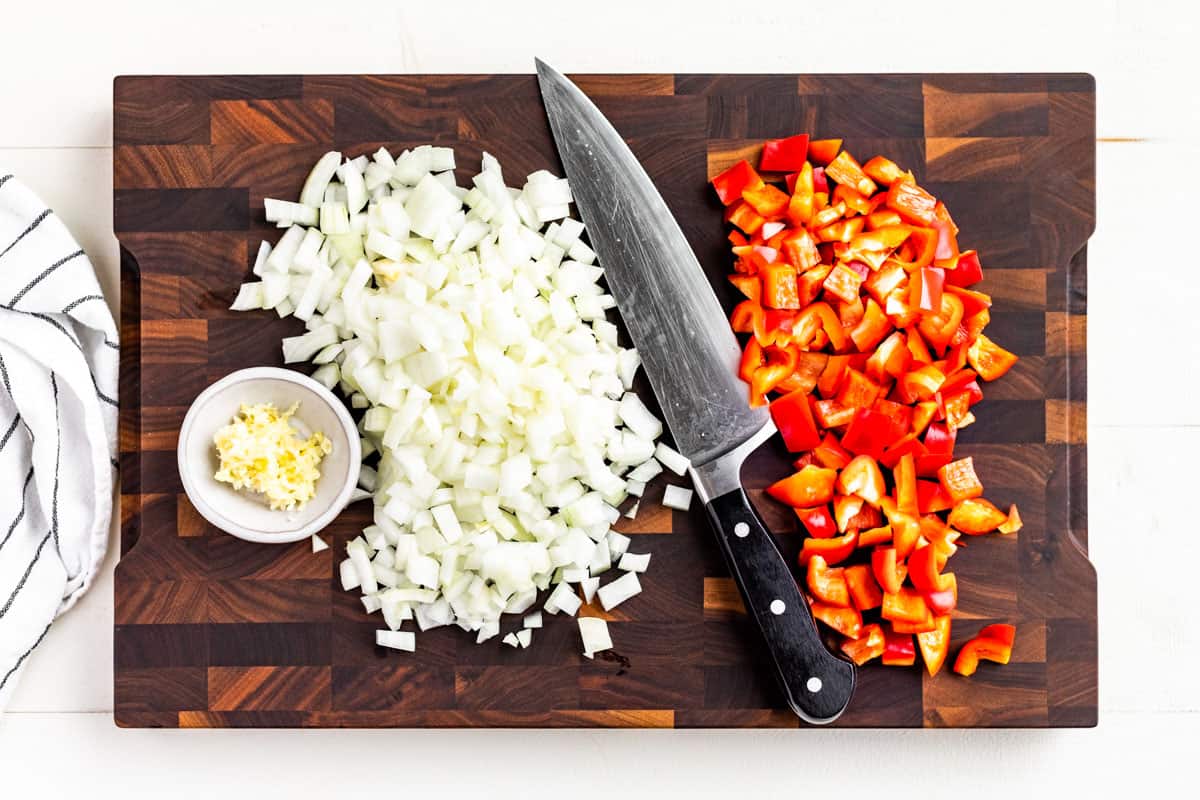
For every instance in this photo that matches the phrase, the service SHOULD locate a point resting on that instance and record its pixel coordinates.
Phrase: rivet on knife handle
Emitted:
(816, 683)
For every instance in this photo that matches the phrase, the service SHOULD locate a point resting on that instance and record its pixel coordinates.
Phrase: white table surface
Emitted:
(57, 60)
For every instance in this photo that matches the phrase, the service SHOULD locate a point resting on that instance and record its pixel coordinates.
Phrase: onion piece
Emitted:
(677, 497)
(533, 620)
(613, 594)
(397, 640)
(594, 633)
(671, 459)
(634, 562)
(318, 544)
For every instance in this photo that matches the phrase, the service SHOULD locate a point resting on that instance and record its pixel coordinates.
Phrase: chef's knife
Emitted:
(691, 358)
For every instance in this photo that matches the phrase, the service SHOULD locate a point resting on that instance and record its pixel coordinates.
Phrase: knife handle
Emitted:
(817, 684)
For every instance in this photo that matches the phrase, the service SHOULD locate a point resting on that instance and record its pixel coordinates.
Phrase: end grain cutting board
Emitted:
(212, 631)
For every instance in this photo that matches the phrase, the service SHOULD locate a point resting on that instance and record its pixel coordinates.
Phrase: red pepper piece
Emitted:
(828, 584)
(732, 182)
(784, 155)
(935, 644)
(938, 328)
(976, 516)
(832, 414)
(820, 182)
(967, 270)
(989, 359)
(846, 508)
(994, 643)
(875, 536)
(831, 454)
(899, 650)
(939, 446)
(800, 249)
(944, 600)
(793, 417)
(834, 550)
(766, 199)
(779, 286)
(882, 170)
(862, 478)
(931, 498)
(869, 433)
(843, 283)
(744, 217)
(845, 170)
(907, 445)
(905, 475)
(925, 288)
(1013, 523)
(817, 521)
(912, 203)
(923, 570)
(846, 621)
(864, 591)
(959, 480)
(811, 486)
(904, 605)
(887, 570)
(822, 151)
(749, 285)
(869, 645)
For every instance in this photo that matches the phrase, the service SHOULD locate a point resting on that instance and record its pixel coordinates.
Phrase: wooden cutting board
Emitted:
(212, 631)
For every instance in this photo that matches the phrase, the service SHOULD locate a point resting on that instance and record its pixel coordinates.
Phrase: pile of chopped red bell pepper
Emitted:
(864, 330)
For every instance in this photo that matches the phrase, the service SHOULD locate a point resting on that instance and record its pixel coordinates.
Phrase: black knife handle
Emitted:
(817, 684)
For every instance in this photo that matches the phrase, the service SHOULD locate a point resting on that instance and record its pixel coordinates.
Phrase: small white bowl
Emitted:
(247, 515)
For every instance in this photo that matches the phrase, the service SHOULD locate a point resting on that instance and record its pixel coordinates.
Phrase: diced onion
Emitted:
(677, 497)
(634, 562)
(594, 633)
(497, 410)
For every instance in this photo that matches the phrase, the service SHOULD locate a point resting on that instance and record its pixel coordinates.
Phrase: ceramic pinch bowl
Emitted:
(245, 514)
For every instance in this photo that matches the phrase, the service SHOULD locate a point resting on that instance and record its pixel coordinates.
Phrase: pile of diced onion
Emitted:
(469, 326)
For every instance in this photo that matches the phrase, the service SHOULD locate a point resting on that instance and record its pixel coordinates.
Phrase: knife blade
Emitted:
(691, 357)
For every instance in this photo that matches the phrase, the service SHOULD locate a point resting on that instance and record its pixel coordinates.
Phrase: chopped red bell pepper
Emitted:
(845, 170)
(939, 328)
(811, 486)
(845, 508)
(869, 645)
(976, 516)
(923, 570)
(732, 182)
(943, 601)
(912, 203)
(822, 151)
(862, 478)
(882, 170)
(904, 605)
(1013, 523)
(767, 200)
(828, 584)
(742, 215)
(784, 155)
(869, 433)
(887, 570)
(875, 536)
(846, 621)
(748, 285)
(779, 286)
(820, 182)
(989, 359)
(832, 414)
(925, 288)
(843, 283)
(959, 480)
(939, 447)
(907, 445)
(899, 650)
(817, 521)
(994, 643)
(834, 550)
(967, 270)
(935, 644)
(931, 498)
(831, 454)
(800, 249)
(864, 591)
(905, 476)
(794, 419)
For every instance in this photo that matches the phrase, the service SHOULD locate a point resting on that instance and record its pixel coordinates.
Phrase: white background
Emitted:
(57, 61)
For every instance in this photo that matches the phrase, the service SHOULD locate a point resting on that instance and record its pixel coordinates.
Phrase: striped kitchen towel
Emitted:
(58, 424)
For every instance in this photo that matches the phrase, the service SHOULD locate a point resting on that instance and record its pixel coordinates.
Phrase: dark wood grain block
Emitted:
(215, 632)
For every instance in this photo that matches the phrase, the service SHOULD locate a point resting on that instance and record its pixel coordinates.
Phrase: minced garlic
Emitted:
(260, 451)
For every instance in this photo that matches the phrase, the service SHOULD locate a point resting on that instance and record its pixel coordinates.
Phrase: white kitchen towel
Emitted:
(58, 424)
